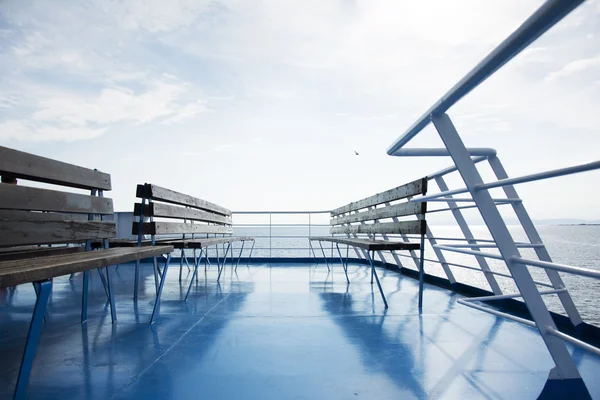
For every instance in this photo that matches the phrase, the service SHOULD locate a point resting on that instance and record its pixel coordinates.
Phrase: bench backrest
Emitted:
(188, 215)
(35, 216)
(363, 216)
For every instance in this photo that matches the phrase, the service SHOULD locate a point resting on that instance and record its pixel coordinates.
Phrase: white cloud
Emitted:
(24, 130)
(575, 67)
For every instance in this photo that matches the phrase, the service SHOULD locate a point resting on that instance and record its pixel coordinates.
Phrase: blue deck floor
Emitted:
(275, 331)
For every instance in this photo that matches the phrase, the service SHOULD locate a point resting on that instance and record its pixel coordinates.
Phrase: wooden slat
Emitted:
(403, 227)
(172, 228)
(36, 269)
(41, 169)
(15, 197)
(15, 215)
(172, 211)
(375, 245)
(401, 192)
(396, 210)
(170, 196)
(207, 242)
(16, 233)
(19, 253)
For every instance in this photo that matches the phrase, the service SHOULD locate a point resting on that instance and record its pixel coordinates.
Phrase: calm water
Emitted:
(571, 245)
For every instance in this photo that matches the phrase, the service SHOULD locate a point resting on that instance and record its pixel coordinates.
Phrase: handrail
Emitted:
(536, 25)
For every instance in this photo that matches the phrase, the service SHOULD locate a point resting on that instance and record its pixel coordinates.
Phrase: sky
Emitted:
(260, 105)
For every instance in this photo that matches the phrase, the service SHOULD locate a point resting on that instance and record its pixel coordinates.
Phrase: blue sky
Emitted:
(259, 104)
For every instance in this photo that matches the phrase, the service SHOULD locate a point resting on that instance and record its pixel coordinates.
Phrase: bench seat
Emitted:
(370, 245)
(179, 243)
(19, 253)
(207, 242)
(15, 272)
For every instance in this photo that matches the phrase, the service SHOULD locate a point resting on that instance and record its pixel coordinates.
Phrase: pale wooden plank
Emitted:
(15, 272)
(16, 215)
(15, 197)
(403, 227)
(16, 233)
(19, 253)
(173, 228)
(396, 210)
(41, 169)
(176, 212)
(207, 242)
(368, 244)
(401, 192)
(170, 196)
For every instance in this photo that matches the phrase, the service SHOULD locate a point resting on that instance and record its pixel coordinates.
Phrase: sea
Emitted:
(576, 245)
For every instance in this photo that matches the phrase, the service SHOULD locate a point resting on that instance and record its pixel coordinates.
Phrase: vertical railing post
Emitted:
(309, 233)
(270, 233)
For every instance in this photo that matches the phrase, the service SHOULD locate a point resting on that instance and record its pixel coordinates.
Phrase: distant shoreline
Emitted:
(577, 225)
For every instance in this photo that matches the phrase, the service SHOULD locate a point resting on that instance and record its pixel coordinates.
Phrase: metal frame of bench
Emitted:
(352, 219)
(198, 216)
(31, 217)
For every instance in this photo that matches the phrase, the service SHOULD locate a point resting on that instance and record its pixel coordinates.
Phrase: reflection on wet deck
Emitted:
(273, 331)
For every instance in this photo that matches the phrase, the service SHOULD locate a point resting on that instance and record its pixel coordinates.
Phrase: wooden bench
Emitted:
(31, 218)
(378, 215)
(181, 218)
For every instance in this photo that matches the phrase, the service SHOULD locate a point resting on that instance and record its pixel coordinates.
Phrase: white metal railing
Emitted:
(465, 162)
(270, 236)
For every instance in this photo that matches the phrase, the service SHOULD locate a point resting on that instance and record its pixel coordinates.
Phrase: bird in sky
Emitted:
(355, 152)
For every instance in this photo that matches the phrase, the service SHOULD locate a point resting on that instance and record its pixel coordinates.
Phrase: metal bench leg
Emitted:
(252, 248)
(84, 296)
(224, 258)
(325, 257)
(103, 279)
(137, 280)
(218, 261)
(421, 271)
(186, 260)
(160, 288)
(111, 297)
(156, 272)
(238, 260)
(313, 251)
(373, 272)
(342, 261)
(35, 329)
(347, 251)
(180, 264)
(194, 275)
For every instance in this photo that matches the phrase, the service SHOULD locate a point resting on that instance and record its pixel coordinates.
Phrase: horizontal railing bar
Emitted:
(459, 200)
(282, 212)
(453, 168)
(465, 302)
(524, 245)
(474, 269)
(457, 239)
(539, 22)
(279, 237)
(540, 176)
(440, 194)
(574, 341)
(590, 273)
(442, 152)
(470, 252)
(513, 296)
(459, 208)
(282, 225)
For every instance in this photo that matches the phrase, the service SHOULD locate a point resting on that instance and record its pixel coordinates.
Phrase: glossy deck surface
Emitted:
(275, 331)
